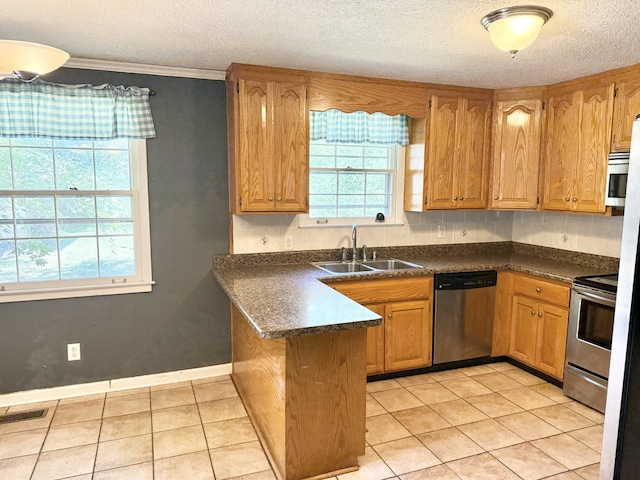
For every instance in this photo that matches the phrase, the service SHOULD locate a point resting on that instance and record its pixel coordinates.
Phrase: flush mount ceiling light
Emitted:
(28, 61)
(513, 28)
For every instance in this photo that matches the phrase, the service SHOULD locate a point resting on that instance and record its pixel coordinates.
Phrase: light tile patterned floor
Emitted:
(486, 422)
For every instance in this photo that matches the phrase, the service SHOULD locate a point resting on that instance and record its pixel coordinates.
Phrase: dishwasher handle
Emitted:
(465, 280)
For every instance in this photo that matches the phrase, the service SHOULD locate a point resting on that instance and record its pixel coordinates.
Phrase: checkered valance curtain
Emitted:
(48, 110)
(359, 127)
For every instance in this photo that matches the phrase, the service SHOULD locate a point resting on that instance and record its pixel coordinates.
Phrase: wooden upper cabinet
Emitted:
(578, 138)
(453, 171)
(442, 158)
(626, 106)
(561, 151)
(593, 150)
(291, 141)
(268, 143)
(475, 142)
(516, 154)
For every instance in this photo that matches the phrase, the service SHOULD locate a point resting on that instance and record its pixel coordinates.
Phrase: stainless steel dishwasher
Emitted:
(463, 315)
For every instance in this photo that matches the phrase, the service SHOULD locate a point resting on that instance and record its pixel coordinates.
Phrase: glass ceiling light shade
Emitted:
(27, 60)
(514, 28)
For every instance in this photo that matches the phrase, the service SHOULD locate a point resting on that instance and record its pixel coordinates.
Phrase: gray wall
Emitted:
(184, 322)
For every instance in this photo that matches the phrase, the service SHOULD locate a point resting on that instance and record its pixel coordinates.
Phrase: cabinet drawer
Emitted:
(543, 290)
(386, 289)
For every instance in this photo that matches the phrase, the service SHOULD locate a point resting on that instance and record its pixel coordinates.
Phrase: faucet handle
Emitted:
(374, 255)
(364, 252)
(344, 254)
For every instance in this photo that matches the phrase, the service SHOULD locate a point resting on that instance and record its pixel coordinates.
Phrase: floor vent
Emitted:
(19, 417)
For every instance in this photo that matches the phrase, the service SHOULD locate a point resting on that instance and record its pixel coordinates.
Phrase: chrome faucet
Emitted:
(354, 238)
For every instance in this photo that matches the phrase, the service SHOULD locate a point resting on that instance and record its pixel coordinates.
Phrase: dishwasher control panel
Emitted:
(465, 280)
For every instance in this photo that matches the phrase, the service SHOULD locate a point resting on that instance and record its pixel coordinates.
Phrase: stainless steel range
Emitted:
(586, 371)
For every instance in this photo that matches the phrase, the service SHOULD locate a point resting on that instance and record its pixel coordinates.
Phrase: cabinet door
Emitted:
(516, 157)
(524, 330)
(442, 153)
(407, 335)
(551, 339)
(375, 342)
(473, 162)
(595, 134)
(625, 108)
(291, 158)
(255, 128)
(561, 151)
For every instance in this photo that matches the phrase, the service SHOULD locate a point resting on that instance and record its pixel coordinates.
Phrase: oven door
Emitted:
(590, 330)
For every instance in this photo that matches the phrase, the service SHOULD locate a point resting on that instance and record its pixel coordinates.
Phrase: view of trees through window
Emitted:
(350, 180)
(66, 210)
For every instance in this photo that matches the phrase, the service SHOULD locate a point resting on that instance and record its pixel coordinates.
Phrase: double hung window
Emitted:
(73, 218)
(355, 167)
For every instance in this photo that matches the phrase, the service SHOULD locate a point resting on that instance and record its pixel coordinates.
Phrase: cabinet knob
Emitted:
(533, 312)
(271, 199)
(496, 197)
(279, 199)
(575, 199)
(461, 198)
(540, 314)
(567, 199)
(389, 315)
(455, 198)
(538, 290)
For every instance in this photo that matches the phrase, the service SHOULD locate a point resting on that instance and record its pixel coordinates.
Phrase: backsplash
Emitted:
(580, 233)
(265, 233)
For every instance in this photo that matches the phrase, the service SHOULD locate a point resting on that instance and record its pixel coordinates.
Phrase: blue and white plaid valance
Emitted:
(48, 110)
(359, 127)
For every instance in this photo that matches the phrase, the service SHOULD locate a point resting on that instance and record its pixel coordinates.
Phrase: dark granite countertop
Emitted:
(283, 295)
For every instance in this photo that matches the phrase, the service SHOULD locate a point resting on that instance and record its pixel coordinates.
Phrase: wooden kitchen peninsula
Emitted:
(298, 355)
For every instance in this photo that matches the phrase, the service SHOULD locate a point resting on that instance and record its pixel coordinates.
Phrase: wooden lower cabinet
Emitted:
(404, 339)
(375, 342)
(407, 335)
(539, 325)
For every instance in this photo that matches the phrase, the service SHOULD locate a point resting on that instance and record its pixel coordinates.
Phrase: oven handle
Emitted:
(608, 300)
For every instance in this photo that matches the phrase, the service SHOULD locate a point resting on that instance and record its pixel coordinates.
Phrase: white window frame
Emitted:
(45, 290)
(397, 200)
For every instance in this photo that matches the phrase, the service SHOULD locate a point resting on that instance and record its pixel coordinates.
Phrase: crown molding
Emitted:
(126, 67)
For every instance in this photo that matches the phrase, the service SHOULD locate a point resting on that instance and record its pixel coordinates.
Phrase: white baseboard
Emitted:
(68, 391)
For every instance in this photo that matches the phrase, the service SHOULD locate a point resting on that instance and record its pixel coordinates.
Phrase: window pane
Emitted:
(116, 143)
(5, 169)
(349, 150)
(322, 162)
(6, 218)
(373, 211)
(31, 142)
(35, 216)
(76, 215)
(351, 182)
(4, 141)
(318, 200)
(112, 170)
(74, 169)
(344, 200)
(37, 260)
(115, 215)
(374, 163)
(8, 261)
(349, 162)
(323, 182)
(319, 149)
(322, 212)
(378, 183)
(33, 169)
(350, 212)
(117, 256)
(370, 151)
(78, 258)
(61, 143)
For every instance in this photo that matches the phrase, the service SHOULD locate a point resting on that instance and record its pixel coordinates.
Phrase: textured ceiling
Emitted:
(438, 41)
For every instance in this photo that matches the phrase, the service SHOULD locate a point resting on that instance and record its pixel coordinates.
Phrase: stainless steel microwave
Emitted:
(617, 171)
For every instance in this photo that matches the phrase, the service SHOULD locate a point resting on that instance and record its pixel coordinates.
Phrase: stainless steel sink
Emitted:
(347, 267)
(391, 264)
(365, 267)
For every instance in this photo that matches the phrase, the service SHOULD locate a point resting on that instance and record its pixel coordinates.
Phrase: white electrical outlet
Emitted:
(288, 242)
(442, 231)
(73, 352)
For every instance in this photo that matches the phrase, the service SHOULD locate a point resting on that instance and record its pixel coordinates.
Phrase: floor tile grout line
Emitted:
(35, 465)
